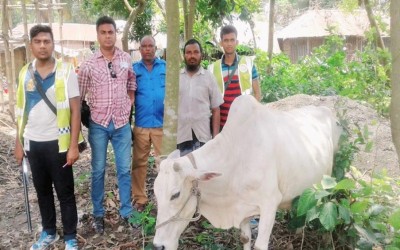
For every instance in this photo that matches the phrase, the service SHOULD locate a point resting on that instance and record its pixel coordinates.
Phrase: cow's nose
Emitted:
(155, 247)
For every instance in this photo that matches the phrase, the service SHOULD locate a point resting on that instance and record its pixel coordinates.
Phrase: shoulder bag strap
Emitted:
(231, 74)
(40, 90)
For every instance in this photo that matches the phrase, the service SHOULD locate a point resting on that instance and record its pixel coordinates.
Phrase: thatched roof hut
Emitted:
(310, 29)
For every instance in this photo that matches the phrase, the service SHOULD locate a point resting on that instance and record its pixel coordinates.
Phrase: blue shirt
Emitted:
(32, 94)
(150, 93)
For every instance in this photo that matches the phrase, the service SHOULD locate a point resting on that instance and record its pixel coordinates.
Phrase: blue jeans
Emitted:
(120, 138)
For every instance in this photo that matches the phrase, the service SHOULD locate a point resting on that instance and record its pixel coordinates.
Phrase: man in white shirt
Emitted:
(199, 101)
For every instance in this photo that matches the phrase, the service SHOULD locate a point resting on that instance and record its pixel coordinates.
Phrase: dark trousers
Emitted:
(189, 146)
(47, 170)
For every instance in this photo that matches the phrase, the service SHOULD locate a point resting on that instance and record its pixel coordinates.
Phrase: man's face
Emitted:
(147, 49)
(42, 46)
(106, 36)
(229, 43)
(192, 56)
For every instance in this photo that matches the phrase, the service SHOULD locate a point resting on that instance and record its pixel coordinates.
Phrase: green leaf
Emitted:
(375, 209)
(319, 194)
(346, 184)
(345, 203)
(328, 182)
(344, 213)
(359, 206)
(307, 200)
(312, 214)
(379, 226)
(394, 220)
(368, 146)
(328, 216)
(367, 235)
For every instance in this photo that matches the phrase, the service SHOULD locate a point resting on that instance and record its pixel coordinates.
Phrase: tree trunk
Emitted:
(37, 11)
(192, 11)
(7, 57)
(271, 34)
(371, 18)
(172, 82)
(251, 23)
(26, 36)
(162, 8)
(395, 74)
(132, 17)
(378, 37)
(189, 9)
(185, 19)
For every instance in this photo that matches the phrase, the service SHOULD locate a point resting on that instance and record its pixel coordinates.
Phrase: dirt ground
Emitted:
(13, 226)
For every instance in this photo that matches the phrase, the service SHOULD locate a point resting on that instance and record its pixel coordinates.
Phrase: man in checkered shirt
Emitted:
(108, 83)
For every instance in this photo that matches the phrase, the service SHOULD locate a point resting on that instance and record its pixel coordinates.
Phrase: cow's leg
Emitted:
(267, 219)
(245, 234)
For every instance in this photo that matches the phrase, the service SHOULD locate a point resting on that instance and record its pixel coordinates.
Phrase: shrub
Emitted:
(327, 72)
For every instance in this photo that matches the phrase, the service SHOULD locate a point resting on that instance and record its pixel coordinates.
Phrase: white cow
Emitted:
(261, 160)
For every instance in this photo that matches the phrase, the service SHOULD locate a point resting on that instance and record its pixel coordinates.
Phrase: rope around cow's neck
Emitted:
(196, 192)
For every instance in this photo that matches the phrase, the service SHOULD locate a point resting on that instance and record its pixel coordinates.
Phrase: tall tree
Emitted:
(395, 74)
(132, 17)
(371, 17)
(172, 82)
(162, 8)
(124, 10)
(271, 34)
(189, 8)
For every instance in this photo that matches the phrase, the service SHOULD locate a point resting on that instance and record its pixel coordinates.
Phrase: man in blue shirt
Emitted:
(149, 113)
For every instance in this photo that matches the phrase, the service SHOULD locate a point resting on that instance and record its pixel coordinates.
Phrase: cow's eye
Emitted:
(174, 196)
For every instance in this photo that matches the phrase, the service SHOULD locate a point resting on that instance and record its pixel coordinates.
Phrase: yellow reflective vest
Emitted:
(245, 68)
(62, 104)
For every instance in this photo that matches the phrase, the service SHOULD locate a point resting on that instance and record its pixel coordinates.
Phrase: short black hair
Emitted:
(192, 41)
(228, 29)
(105, 20)
(35, 30)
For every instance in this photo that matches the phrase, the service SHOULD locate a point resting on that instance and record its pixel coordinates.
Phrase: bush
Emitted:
(357, 213)
(328, 72)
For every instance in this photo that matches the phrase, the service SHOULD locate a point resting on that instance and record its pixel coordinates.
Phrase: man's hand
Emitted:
(72, 155)
(18, 152)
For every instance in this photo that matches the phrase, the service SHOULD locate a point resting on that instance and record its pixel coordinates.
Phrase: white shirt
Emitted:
(42, 122)
(198, 94)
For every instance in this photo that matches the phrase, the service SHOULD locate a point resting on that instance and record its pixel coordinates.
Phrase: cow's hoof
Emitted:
(244, 239)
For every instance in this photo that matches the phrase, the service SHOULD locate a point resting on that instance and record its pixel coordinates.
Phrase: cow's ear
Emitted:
(206, 176)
